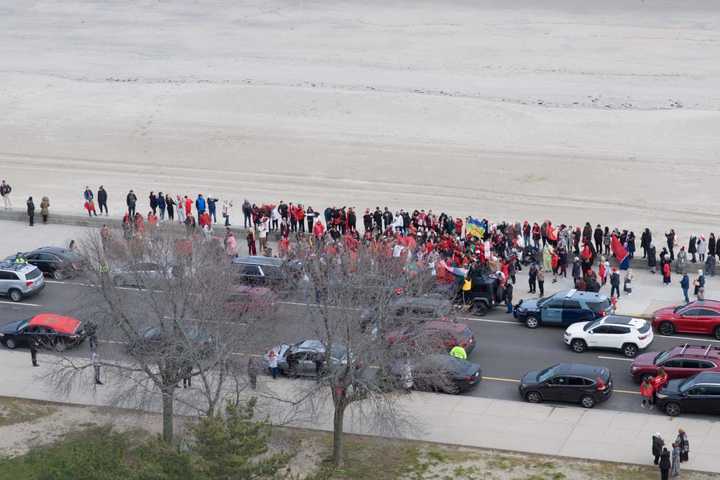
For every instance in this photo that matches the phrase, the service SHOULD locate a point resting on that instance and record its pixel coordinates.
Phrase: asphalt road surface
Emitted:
(505, 349)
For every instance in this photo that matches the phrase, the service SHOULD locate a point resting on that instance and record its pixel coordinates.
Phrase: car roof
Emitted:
(578, 369)
(17, 267)
(707, 377)
(696, 350)
(59, 323)
(623, 320)
(715, 304)
(50, 249)
(258, 260)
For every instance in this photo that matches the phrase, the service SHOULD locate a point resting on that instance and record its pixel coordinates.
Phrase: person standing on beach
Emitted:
(31, 211)
(102, 200)
(5, 190)
(131, 201)
(45, 208)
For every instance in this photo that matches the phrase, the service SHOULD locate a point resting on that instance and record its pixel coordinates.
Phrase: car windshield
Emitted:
(687, 384)
(661, 357)
(546, 374)
(591, 325)
(542, 301)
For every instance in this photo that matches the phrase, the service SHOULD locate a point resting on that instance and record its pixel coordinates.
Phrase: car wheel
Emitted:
(532, 322)
(630, 350)
(10, 343)
(667, 328)
(533, 397)
(672, 409)
(479, 309)
(578, 345)
(58, 275)
(717, 332)
(451, 389)
(15, 295)
(587, 401)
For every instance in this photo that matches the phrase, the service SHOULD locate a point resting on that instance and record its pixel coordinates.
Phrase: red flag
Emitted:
(618, 249)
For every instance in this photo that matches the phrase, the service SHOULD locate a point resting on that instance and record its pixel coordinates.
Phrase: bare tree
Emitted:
(171, 304)
(350, 298)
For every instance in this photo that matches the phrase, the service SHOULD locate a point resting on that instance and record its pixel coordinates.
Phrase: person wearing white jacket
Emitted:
(701, 246)
(275, 218)
(226, 211)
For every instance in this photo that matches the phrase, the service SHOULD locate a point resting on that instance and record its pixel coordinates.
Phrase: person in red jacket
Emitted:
(318, 230)
(647, 392)
(658, 382)
(300, 218)
(252, 250)
(188, 206)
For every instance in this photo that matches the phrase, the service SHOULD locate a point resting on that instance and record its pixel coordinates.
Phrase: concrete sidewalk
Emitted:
(570, 431)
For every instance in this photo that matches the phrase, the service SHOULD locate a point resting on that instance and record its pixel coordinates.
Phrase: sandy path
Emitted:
(610, 113)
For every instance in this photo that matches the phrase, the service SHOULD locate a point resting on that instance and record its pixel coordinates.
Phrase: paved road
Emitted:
(505, 348)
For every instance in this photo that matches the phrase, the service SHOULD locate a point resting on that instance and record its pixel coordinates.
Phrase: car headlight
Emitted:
(2, 335)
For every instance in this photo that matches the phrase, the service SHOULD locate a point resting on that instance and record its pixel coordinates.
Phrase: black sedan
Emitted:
(567, 382)
(697, 394)
(439, 372)
(49, 330)
(55, 262)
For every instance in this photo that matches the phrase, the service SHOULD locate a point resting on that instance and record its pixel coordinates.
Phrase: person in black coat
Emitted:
(598, 236)
(712, 243)
(645, 241)
(153, 203)
(664, 464)
(102, 199)
(670, 236)
(651, 258)
(657, 445)
(31, 211)
(615, 283)
(692, 248)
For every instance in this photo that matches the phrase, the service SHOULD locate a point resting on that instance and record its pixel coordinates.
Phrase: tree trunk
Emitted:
(168, 404)
(338, 424)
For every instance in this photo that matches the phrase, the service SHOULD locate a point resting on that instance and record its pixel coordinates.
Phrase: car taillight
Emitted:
(600, 384)
(29, 283)
(643, 337)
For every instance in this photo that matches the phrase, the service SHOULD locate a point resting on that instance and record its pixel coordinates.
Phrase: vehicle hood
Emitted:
(665, 312)
(467, 369)
(576, 328)
(530, 304)
(12, 327)
(673, 386)
(530, 377)
(644, 360)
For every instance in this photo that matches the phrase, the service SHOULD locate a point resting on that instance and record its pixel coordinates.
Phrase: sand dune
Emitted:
(608, 112)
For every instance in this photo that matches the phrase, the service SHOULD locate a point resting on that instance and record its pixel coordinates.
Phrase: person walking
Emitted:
(685, 286)
(186, 374)
(247, 213)
(5, 190)
(675, 460)
(657, 445)
(96, 366)
(682, 440)
(45, 209)
(31, 211)
(615, 283)
(131, 201)
(34, 345)
(664, 464)
(670, 237)
(102, 200)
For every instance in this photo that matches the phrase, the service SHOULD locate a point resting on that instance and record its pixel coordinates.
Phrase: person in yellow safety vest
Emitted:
(20, 258)
(458, 352)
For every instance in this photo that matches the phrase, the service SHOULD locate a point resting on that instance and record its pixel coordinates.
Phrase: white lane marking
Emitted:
(21, 304)
(78, 284)
(114, 342)
(489, 320)
(616, 358)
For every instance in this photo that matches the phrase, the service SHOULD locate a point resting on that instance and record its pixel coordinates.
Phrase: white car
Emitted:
(613, 332)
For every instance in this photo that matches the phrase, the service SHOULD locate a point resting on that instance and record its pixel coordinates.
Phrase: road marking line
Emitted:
(488, 320)
(500, 379)
(20, 304)
(79, 284)
(616, 358)
(115, 342)
(628, 392)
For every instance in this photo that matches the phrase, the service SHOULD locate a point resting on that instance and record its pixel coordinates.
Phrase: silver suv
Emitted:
(20, 280)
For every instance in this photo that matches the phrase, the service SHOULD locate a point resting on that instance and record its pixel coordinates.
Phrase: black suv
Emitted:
(267, 271)
(567, 382)
(697, 394)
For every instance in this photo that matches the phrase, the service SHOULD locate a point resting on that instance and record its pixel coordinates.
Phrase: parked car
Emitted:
(587, 385)
(51, 330)
(247, 300)
(441, 372)
(55, 262)
(153, 341)
(408, 309)
(702, 316)
(697, 394)
(562, 309)
(141, 275)
(20, 280)
(307, 358)
(680, 362)
(439, 334)
(613, 332)
(267, 271)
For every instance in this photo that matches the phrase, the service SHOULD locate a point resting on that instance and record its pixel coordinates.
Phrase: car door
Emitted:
(571, 312)
(551, 312)
(690, 321)
(699, 399)
(706, 320)
(37, 260)
(601, 336)
(620, 336)
(5, 281)
(575, 389)
(553, 390)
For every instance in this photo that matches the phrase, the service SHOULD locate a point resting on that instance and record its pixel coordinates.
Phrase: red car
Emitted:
(679, 362)
(701, 317)
(440, 332)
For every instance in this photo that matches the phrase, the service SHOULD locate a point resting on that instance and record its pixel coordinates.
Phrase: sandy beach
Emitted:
(608, 113)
